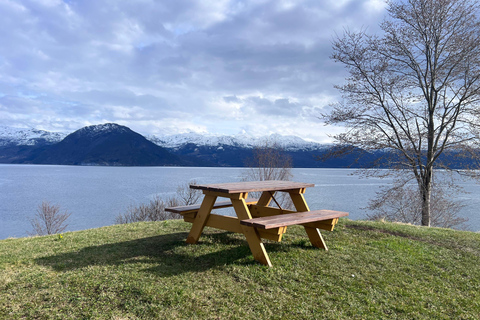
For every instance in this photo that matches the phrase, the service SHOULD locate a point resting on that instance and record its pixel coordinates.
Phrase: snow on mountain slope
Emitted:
(99, 129)
(28, 137)
(290, 143)
(21, 136)
(31, 137)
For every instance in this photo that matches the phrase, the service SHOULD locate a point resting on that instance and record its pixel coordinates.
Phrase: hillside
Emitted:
(10, 136)
(373, 270)
(107, 144)
(111, 144)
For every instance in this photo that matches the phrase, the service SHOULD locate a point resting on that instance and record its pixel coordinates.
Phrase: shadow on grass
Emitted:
(164, 251)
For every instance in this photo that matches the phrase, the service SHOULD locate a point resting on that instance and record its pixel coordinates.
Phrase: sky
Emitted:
(219, 67)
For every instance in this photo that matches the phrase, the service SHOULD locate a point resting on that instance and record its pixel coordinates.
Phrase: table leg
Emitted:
(299, 202)
(314, 234)
(251, 234)
(316, 238)
(265, 199)
(201, 218)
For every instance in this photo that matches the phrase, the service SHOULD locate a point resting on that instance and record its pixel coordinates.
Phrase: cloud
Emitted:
(219, 66)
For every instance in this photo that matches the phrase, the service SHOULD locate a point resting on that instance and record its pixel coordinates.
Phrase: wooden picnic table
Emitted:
(255, 218)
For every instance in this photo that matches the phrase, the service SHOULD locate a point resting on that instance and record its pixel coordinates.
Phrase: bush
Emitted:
(49, 219)
(155, 209)
(402, 203)
(270, 162)
(152, 211)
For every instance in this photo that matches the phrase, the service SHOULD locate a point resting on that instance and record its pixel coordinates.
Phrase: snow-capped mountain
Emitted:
(113, 144)
(243, 140)
(28, 137)
(105, 144)
(100, 129)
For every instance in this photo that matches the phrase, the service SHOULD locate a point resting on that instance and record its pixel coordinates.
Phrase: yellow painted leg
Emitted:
(299, 202)
(252, 236)
(316, 238)
(313, 233)
(201, 218)
(265, 199)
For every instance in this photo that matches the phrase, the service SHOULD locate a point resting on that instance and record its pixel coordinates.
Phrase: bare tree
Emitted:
(402, 203)
(155, 209)
(49, 219)
(152, 211)
(413, 91)
(186, 195)
(269, 162)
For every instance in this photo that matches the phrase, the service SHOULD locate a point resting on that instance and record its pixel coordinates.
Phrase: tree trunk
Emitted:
(426, 208)
(426, 192)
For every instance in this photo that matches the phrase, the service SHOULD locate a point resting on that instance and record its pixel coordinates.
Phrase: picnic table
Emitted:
(255, 218)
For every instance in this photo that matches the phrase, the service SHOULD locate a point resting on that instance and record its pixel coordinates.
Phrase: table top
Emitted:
(253, 186)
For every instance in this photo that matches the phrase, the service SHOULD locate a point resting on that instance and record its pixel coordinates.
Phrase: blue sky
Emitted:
(162, 67)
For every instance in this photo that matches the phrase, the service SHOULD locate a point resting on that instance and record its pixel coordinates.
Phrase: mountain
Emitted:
(243, 140)
(234, 151)
(221, 150)
(18, 144)
(113, 144)
(106, 144)
(28, 137)
(238, 156)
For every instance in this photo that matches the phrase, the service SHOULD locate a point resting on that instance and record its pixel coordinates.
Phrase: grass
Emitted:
(373, 270)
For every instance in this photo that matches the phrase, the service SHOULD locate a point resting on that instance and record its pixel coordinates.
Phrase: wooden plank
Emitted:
(313, 233)
(265, 198)
(316, 238)
(328, 225)
(233, 196)
(201, 219)
(299, 202)
(226, 223)
(190, 216)
(232, 224)
(272, 234)
(253, 238)
(253, 186)
(259, 211)
(296, 191)
(195, 207)
(289, 219)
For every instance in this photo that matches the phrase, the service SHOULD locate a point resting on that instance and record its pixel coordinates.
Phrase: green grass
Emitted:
(373, 270)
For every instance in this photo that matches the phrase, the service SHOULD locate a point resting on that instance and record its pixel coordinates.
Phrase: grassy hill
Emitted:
(373, 270)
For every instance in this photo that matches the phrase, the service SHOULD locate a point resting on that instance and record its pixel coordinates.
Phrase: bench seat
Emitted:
(295, 218)
(185, 210)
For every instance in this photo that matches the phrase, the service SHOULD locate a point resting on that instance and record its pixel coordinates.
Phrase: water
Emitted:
(97, 195)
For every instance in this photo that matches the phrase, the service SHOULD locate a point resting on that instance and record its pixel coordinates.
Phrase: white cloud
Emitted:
(176, 66)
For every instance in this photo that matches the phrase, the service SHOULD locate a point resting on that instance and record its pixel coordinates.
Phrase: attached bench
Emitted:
(226, 223)
(311, 220)
(270, 223)
(314, 219)
(193, 209)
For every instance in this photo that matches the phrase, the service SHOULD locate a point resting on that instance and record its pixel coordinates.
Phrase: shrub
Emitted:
(152, 211)
(49, 219)
(155, 209)
(270, 162)
(402, 203)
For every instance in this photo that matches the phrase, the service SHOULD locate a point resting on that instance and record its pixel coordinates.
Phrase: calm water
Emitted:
(96, 195)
